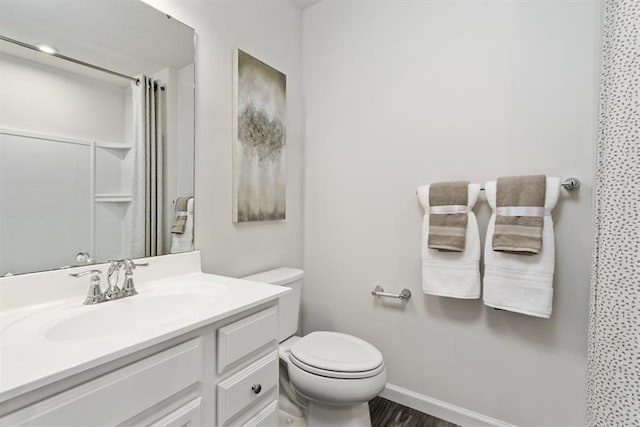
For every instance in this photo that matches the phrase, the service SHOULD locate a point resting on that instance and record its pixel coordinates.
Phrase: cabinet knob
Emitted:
(256, 388)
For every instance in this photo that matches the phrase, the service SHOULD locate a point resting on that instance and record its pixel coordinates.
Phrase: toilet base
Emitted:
(343, 416)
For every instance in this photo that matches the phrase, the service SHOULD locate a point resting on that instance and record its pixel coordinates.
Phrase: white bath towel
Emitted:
(452, 274)
(516, 282)
(184, 242)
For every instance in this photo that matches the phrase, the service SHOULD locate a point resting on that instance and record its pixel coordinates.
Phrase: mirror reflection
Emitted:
(96, 133)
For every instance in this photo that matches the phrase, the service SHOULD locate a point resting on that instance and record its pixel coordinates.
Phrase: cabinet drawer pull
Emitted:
(256, 388)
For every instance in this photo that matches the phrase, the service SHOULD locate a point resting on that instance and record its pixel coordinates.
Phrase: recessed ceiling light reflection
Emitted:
(47, 49)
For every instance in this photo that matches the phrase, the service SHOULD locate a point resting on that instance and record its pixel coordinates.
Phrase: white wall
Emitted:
(399, 94)
(272, 32)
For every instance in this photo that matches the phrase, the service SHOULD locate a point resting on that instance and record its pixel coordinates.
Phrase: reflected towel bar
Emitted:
(569, 184)
(404, 294)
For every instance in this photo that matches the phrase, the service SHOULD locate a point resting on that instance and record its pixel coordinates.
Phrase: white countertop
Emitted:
(44, 343)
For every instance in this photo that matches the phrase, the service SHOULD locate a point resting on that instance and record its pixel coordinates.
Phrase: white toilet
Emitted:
(327, 376)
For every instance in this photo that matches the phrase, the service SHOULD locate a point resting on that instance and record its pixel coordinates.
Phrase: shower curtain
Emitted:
(613, 365)
(147, 232)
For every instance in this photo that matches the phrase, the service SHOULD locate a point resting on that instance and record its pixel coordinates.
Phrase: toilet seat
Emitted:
(336, 355)
(335, 374)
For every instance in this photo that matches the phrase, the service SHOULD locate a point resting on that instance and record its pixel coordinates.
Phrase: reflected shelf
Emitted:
(113, 198)
(113, 145)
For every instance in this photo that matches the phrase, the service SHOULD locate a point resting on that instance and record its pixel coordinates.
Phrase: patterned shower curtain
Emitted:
(613, 384)
(147, 232)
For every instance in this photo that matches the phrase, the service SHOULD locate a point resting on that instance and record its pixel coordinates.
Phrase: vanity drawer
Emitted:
(268, 417)
(189, 414)
(246, 335)
(239, 392)
(120, 395)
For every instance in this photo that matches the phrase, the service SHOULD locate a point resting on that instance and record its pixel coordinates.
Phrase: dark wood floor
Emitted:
(385, 413)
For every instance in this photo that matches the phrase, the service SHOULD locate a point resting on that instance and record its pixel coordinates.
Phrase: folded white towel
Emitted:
(184, 242)
(452, 274)
(516, 282)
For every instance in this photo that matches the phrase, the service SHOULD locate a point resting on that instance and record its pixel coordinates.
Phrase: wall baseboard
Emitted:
(440, 409)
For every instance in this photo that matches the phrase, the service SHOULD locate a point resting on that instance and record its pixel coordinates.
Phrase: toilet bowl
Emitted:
(333, 376)
(329, 376)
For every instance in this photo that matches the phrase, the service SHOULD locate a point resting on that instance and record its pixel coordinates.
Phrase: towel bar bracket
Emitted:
(571, 184)
(404, 294)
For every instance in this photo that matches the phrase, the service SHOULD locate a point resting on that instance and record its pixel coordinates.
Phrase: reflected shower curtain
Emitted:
(147, 233)
(613, 365)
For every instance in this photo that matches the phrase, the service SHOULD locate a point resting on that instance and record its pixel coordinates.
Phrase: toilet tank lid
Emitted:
(278, 276)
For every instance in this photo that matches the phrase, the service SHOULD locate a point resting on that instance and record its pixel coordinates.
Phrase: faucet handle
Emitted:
(96, 274)
(130, 264)
(94, 295)
(129, 288)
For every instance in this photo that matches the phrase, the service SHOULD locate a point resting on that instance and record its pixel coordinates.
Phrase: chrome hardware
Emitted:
(256, 388)
(84, 258)
(128, 265)
(129, 288)
(113, 292)
(404, 294)
(94, 294)
(571, 184)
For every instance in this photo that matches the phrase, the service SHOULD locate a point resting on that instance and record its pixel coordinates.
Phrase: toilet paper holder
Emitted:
(404, 294)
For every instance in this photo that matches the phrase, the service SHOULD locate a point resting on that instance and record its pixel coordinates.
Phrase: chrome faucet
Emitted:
(94, 295)
(113, 292)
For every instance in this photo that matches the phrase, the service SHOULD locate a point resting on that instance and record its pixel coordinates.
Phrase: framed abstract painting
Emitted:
(259, 140)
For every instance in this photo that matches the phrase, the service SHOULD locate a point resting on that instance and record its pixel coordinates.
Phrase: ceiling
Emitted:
(129, 37)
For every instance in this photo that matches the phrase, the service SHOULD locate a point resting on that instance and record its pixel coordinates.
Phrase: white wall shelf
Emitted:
(66, 139)
(113, 145)
(113, 198)
(45, 137)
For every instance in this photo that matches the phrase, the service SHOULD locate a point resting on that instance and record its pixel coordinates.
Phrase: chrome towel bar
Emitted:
(404, 294)
(569, 184)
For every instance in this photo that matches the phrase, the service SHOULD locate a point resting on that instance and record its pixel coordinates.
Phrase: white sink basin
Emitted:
(136, 316)
(123, 316)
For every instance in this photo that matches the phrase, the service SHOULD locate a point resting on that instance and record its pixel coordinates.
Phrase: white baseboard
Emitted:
(440, 409)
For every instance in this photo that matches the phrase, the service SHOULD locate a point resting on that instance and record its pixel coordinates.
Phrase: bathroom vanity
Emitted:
(190, 349)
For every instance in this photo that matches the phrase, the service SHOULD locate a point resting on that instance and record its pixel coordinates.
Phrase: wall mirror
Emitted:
(96, 134)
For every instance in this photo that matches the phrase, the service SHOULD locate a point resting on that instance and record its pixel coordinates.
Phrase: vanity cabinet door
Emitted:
(241, 338)
(120, 395)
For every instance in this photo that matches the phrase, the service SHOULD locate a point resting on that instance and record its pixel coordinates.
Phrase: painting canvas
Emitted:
(259, 140)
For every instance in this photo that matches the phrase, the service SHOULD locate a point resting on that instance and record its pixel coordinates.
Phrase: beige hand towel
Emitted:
(181, 215)
(448, 215)
(519, 214)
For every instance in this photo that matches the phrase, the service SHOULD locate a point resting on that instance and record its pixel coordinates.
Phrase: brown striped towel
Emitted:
(181, 215)
(520, 214)
(448, 215)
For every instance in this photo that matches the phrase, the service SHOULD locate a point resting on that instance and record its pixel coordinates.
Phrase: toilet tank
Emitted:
(289, 304)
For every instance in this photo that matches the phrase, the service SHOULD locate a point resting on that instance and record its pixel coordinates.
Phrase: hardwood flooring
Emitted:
(385, 413)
